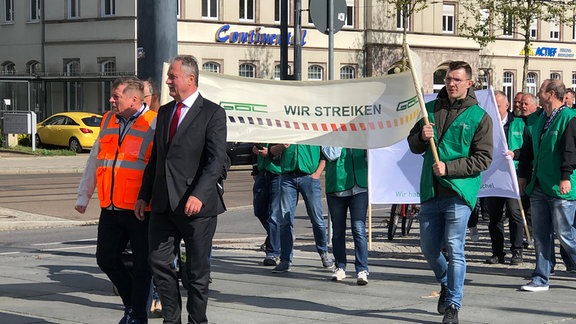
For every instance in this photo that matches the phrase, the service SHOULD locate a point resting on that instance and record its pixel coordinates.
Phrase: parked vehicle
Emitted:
(240, 153)
(76, 130)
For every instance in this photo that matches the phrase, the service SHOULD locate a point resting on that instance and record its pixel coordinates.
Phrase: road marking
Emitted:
(56, 249)
(67, 242)
(68, 248)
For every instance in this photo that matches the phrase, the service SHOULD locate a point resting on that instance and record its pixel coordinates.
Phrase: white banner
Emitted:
(355, 113)
(394, 172)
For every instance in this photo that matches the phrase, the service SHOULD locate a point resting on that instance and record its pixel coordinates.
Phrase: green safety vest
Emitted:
(516, 136)
(455, 144)
(348, 170)
(296, 157)
(547, 155)
(532, 118)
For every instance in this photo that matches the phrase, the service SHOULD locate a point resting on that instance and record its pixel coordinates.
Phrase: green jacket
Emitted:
(547, 155)
(296, 158)
(348, 170)
(453, 144)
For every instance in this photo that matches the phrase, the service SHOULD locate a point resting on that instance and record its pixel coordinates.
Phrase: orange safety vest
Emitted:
(121, 165)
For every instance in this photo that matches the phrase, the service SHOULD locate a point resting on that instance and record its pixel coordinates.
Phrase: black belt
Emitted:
(297, 173)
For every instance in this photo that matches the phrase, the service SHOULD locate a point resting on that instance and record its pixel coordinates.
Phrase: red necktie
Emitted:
(174, 122)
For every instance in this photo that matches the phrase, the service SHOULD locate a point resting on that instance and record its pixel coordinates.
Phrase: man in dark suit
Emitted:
(181, 182)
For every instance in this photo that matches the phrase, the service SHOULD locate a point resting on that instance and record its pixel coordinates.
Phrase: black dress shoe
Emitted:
(495, 259)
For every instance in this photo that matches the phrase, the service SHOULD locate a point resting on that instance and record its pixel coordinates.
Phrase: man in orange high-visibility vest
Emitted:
(116, 166)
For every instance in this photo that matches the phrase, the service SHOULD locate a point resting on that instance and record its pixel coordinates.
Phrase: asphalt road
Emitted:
(55, 194)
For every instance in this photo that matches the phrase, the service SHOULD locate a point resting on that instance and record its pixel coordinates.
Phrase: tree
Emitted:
(486, 20)
(404, 10)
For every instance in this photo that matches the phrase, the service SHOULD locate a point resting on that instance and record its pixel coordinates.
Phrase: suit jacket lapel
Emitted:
(165, 122)
(192, 113)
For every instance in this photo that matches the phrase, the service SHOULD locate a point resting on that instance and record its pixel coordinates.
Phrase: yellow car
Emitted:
(76, 130)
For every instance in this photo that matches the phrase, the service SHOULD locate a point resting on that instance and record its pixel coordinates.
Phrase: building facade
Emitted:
(62, 55)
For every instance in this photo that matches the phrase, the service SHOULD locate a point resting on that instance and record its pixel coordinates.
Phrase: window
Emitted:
(73, 8)
(56, 120)
(439, 76)
(33, 67)
(34, 10)
(531, 83)
(210, 9)
(573, 81)
(107, 67)
(448, 19)
(73, 88)
(247, 70)
(555, 76)
(277, 72)
(400, 21)
(8, 10)
(315, 72)
(71, 67)
(211, 67)
(508, 24)
(278, 11)
(349, 14)
(554, 30)
(534, 29)
(484, 15)
(8, 68)
(347, 72)
(108, 7)
(508, 85)
(246, 10)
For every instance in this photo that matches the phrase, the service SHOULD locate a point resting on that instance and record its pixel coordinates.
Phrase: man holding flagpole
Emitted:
(451, 177)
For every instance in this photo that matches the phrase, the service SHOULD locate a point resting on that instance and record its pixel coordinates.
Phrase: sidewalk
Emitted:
(15, 163)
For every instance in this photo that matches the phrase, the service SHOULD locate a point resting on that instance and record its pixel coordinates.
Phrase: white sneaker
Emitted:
(531, 286)
(338, 275)
(474, 235)
(362, 278)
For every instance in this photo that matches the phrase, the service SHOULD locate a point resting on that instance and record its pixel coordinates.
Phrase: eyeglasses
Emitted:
(456, 81)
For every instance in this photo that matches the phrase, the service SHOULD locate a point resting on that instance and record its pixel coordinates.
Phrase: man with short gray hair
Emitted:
(549, 157)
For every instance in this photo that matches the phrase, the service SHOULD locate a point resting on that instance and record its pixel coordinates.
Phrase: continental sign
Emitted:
(253, 37)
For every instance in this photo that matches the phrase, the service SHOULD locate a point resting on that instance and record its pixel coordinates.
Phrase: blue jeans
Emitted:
(443, 223)
(261, 203)
(284, 190)
(551, 215)
(338, 207)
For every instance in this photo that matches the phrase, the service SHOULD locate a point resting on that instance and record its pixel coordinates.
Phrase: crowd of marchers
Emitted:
(159, 173)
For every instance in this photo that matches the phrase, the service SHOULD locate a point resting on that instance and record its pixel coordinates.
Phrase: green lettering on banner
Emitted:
(403, 105)
(244, 107)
